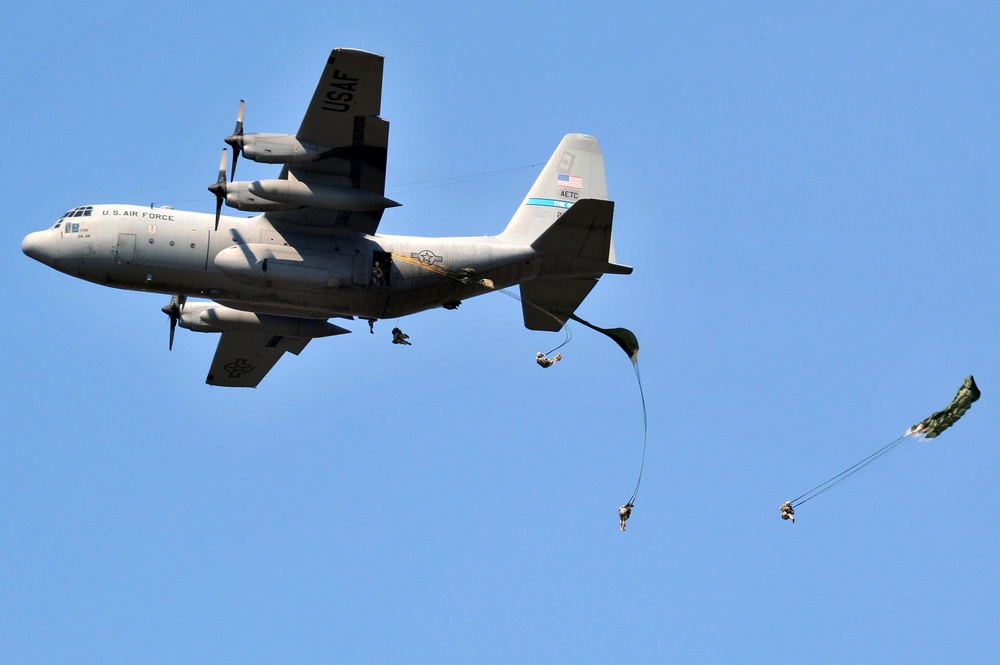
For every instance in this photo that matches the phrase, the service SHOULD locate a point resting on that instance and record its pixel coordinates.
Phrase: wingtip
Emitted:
(617, 269)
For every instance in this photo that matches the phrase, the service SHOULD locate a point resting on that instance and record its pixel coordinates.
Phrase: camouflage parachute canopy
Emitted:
(942, 420)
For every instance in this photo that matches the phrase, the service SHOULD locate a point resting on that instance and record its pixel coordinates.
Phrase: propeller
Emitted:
(236, 139)
(173, 310)
(219, 188)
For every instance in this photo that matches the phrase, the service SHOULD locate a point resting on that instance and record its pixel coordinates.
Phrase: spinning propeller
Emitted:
(173, 310)
(219, 188)
(236, 139)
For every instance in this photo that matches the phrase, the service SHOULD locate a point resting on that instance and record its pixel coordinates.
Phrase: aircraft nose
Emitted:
(38, 246)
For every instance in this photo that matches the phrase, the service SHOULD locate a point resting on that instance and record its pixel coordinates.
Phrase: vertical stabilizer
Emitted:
(574, 172)
(566, 219)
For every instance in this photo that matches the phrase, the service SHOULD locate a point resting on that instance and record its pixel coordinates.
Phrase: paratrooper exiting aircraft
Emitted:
(314, 253)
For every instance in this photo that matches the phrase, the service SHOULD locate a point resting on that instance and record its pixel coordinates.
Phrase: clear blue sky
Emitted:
(809, 196)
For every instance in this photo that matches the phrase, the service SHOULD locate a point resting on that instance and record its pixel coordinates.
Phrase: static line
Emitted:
(456, 180)
(564, 324)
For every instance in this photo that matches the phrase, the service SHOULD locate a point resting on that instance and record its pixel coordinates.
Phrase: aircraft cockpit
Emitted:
(82, 211)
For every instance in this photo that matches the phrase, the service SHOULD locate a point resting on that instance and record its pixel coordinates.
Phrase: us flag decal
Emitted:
(570, 181)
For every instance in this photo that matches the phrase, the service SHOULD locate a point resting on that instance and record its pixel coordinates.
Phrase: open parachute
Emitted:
(939, 421)
(928, 428)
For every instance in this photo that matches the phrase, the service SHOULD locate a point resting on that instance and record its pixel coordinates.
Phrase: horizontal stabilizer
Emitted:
(547, 303)
(243, 359)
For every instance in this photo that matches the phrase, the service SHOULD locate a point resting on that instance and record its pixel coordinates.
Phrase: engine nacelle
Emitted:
(284, 194)
(209, 317)
(278, 149)
(239, 196)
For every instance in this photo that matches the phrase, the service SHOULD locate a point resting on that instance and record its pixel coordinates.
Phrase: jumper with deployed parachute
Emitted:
(927, 428)
(545, 318)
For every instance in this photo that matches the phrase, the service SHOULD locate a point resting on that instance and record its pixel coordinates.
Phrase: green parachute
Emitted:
(926, 429)
(942, 420)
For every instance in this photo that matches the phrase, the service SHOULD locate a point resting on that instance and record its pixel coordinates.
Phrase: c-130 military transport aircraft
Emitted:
(314, 252)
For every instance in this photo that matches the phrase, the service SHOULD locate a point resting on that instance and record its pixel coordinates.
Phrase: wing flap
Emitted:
(243, 359)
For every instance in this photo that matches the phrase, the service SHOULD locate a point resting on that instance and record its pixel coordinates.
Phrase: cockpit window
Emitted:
(82, 211)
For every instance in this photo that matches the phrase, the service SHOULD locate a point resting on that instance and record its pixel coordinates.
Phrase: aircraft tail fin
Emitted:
(566, 217)
(575, 171)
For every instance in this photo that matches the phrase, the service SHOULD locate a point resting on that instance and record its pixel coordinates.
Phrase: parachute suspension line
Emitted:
(562, 322)
(928, 428)
(847, 473)
(645, 431)
(569, 336)
(627, 342)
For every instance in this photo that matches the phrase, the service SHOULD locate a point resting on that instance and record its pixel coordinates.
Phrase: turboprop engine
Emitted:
(262, 194)
(292, 192)
(266, 148)
(278, 194)
(211, 318)
(275, 148)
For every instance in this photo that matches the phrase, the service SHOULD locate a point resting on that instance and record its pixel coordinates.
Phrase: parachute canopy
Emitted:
(942, 420)
(623, 337)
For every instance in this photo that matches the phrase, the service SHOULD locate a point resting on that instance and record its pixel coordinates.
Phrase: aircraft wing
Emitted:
(243, 359)
(343, 117)
(350, 87)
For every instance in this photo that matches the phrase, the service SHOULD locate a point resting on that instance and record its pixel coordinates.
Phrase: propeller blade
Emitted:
(219, 188)
(218, 211)
(236, 139)
(173, 310)
(236, 156)
(222, 167)
(239, 119)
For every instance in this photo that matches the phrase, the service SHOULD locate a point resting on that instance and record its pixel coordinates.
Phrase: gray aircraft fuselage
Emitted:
(248, 264)
(314, 252)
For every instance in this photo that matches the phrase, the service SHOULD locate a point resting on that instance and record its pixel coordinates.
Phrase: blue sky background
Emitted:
(809, 196)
